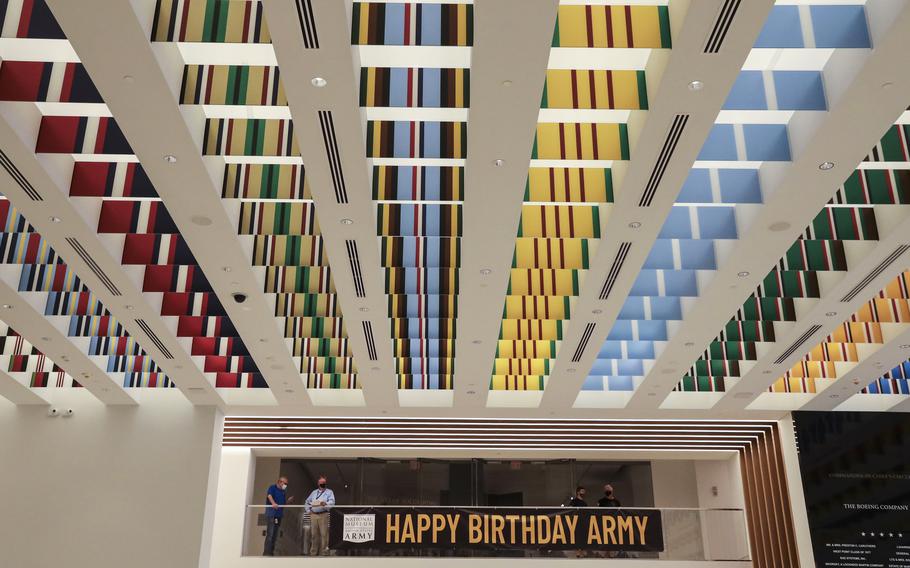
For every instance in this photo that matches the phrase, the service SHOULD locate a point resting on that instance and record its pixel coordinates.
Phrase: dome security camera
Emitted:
(68, 412)
(53, 411)
(239, 297)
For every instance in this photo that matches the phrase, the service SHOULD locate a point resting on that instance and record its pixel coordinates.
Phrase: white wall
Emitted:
(107, 487)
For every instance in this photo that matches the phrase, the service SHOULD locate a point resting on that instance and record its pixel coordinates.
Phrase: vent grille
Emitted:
(327, 124)
(371, 341)
(663, 159)
(797, 344)
(891, 258)
(722, 26)
(20, 179)
(155, 339)
(354, 259)
(307, 24)
(93, 266)
(583, 343)
(615, 270)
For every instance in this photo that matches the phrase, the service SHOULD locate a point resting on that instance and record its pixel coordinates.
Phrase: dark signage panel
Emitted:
(386, 528)
(855, 468)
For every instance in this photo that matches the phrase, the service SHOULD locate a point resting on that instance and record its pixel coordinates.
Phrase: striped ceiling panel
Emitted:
(264, 185)
(567, 206)
(866, 208)
(417, 179)
(28, 365)
(881, 318)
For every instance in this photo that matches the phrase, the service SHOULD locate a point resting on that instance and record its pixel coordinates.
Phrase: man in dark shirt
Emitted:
(579, 499)
(275, 499)
(609, 499)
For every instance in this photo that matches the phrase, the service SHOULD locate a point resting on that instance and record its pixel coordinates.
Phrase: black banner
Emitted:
(856, 479)
(562, 528)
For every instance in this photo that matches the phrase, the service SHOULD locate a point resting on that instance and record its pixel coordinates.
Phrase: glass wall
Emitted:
(468, 482)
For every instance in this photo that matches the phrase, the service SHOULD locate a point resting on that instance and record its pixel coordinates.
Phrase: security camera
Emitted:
(53, 411)
(68, 412)
(239, 297)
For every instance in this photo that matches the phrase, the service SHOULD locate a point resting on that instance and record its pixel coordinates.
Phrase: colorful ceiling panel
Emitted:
(408, 96)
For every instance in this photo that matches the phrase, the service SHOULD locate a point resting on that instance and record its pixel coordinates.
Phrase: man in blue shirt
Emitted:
(317, 505)
(275, 499)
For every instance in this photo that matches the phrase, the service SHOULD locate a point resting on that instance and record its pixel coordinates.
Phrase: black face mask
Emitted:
(322, 485)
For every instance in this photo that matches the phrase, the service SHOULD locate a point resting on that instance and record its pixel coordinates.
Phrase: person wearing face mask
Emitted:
(579, 499)
(318, 504)
(275, 499)
(609, 499)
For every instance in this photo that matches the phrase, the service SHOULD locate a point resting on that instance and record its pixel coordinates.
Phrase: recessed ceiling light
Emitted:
(129, 307)
(55, 219)
(45, 339)
(6, 306)
(830, 314)
(476, 342)
(507, 83)
(597, 312)
(288, 390)
(178, 366)
(689, 344)
(696, 85)
(170, 158)
(634, 225)
(128, 79)
(887, 85)
(472, 392)
(499, 162)
(835, 396)
(364, 309)
(276, 367)
(374, 368)
(743, 274)
(766, 372)
(570, 370)
(347, 222)
(485, 271)
(85, 375)
(779, 226)
(64, 358)
(201, 220)
(879, 364)
(904, 346)
(262, 340)
(652, 394)
(318, 82)
(226, 268)
(825, 166)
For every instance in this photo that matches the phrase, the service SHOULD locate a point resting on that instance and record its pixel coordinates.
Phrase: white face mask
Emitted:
(283, 486)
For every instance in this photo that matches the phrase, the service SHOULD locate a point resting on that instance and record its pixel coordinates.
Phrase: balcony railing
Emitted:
(673, 534)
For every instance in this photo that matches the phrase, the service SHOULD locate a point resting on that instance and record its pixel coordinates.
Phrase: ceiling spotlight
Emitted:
(476, 342)
(597, 312)
(262, 340)
(825, 166)
(472, 392)
(485, 271)
(779, 226)
(570, 370)
(743, 274)
(226, 269)
(55, 219)
(904, 346)
(318, 82)
(170, 158)
(689, 344)
(634, 225)
(499, 162)
(64, 358)
(45, 339)
(830, 314)
(507, 83)
(128, 306)
(201, 220)
(347, 222)
(6, 306)
(696, 85)
(364, 309)
(128, 79)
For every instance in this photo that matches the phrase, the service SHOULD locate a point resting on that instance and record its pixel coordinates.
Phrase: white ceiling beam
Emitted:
(338, 64)
(147, 112)
(18, 393)
(877, 359)
(502, 123)
(669, 74)
(829, 312)
(18, 134)
(866, 84)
